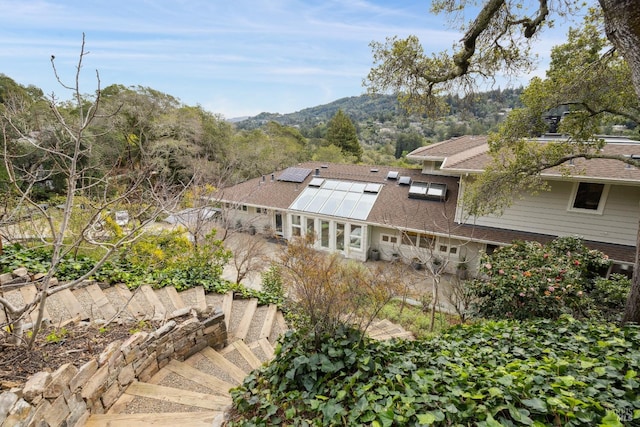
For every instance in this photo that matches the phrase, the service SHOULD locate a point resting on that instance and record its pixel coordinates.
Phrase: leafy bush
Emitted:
(493, 373)
(530, 280)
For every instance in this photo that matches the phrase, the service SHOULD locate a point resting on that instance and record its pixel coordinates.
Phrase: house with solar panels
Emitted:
(382, 212)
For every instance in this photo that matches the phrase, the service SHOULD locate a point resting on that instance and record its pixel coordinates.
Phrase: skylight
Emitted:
(418, 190)
(393, 175)
(404, 180)
(343, 199)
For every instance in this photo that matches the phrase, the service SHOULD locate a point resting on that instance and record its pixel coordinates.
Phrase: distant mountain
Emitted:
(385, 108)
(358, 108)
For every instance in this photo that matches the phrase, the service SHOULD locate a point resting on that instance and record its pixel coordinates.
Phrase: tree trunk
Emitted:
(622, 24)
(632, 308)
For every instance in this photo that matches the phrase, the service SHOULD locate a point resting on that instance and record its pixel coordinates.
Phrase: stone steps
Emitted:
(194, 392)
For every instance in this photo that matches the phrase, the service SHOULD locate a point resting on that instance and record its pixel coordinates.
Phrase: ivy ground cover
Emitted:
(536, 373)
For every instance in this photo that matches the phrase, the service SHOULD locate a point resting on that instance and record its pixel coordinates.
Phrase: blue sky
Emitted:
(235, 58)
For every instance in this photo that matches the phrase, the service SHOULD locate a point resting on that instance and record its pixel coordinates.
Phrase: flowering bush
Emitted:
(531, 280)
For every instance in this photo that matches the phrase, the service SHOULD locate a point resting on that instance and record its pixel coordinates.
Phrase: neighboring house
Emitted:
(366, 212)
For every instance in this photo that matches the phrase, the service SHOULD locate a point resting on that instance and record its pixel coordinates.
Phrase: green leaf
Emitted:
(535, 404)
(426, 419)
(387, 418)
(506, 380)
(520, 415)
(611, 420)
(490, 422)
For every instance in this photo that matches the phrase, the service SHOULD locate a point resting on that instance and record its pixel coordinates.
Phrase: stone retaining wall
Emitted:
(69, 395)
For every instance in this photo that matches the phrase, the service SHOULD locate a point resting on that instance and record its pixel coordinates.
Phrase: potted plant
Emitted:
(462, 270)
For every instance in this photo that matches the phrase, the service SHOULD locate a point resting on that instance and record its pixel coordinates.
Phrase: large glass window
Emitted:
(355, 237)
(311, 226)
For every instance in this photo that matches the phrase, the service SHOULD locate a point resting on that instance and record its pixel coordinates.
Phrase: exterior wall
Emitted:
(340, 234)
(391, 245)
(549, 213)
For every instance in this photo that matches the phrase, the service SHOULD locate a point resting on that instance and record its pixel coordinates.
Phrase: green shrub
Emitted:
(529, 280)
(544, 372)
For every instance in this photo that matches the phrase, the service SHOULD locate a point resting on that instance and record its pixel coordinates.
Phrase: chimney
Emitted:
(317, 171)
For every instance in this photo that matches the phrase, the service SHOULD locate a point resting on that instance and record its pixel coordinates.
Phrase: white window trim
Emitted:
(389, 237)
(601, 204)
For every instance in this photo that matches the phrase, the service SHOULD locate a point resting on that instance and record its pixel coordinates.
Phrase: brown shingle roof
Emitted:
(393, 207)
(441, 150)
(473, 157)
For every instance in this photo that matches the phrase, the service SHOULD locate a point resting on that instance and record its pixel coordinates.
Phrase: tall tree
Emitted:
(589, 76)
(62, 145)
(341, 132)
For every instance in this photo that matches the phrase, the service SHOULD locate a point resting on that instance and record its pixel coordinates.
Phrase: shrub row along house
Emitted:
(371, 212)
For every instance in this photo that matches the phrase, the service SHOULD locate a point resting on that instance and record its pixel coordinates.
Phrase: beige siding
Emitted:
(547, 213)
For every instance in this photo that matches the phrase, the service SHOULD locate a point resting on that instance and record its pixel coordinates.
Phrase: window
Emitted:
(389, 239)
(409, 238)
(324, 234)
(296, 227)
(444, 248)
(340, 236)
(453, 250)
(425, 242)
(355, 237)
(261, 210)
(589, 197)
(310, 226)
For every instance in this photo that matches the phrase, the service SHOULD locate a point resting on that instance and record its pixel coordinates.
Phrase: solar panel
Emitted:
(294, 174)
(404, 180)
(393, 175)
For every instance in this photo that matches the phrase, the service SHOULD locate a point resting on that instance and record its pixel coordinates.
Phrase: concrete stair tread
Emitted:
(162, 419)
(101, 301)
(214, 300)
(29, 293)
(170, 298)
(58, 313)
(166, 394)
(155, 308)
(213, 383)
(257, 323)
(194, 297)
(140, 306)
(262, 349)
(206, 365)
(269, 320)
(232, 369)
(244, 323)
(118, 301)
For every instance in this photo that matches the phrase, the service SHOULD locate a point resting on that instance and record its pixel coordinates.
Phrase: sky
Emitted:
(234, 58)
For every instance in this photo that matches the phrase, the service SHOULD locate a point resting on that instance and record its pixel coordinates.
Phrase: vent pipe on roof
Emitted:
(317, 171)
(273, 177)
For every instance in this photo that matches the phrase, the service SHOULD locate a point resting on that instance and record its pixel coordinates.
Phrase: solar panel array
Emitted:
(294, 174)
